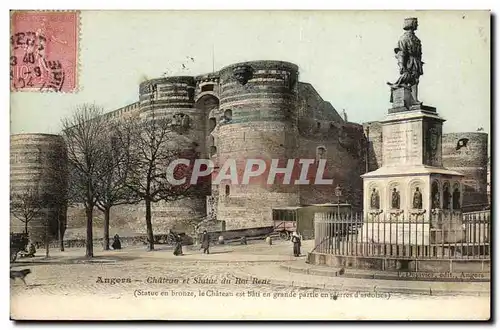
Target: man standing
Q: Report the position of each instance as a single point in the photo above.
(296, 244)
(205, 242)
(178, 245)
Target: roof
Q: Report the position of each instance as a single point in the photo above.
(287, 208)
(409, 171)
(308, 205)
(330, 204)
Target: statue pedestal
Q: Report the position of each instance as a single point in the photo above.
(402, 98)
(403, 233)
(412, 183)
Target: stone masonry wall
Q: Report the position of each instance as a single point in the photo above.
(467, 153)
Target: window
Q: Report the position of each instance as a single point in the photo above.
(213, 151)
(207, 88)
(211, 124)
(320, 153)
(228, 190)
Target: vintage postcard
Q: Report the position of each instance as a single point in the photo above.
(250, 165)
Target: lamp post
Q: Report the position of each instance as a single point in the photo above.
(338, 193)
(367, 156)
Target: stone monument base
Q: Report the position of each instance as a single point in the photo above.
(422, 234)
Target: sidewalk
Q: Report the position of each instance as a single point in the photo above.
(255, 252)
(303, 268)
(279, 275)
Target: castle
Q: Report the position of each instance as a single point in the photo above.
(246, 110)
(253, 110)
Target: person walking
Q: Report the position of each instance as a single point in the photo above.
(117, 245)
(205, 242)
(296, 244)
(178, 245)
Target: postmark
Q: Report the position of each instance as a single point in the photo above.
(44, 51)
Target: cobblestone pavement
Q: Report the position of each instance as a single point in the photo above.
(138, 278)
(69, 274)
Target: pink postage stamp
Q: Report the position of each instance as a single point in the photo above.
(44, 51)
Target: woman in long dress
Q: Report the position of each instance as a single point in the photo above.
(296, 244)
(205, 242)
(178, 245)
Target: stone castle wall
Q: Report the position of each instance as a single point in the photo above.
(375, 142)
(247, 110)
(174, 98)
(34, 163)
(468, 153)
(470, 160)
(258, 100)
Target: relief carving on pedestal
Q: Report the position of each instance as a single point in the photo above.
(446, 196)
(417, 199)
(395, 199)
(375, 200)
(433, 145)
(435, 196)
(456, 197)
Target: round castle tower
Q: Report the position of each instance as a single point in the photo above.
(467, 153)
(36, 171)
(256, 119)
(172, 98)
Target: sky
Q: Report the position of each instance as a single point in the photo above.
(346, 55)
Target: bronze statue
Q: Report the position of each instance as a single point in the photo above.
(395, 199)
(375, 200)
(417, 199)
(409, 56)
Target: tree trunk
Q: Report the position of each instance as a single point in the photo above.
(61, 241)
(89, 244)
(149, 226)
(60, 229)
(47, 238)
(26, 227)
(106, 229)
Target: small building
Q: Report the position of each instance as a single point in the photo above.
(300, 219)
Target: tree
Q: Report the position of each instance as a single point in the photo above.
(85, 136)
(60, 195)
(111, 187)
(26, 206)
(152, 145)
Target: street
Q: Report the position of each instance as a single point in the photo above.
(233, 281)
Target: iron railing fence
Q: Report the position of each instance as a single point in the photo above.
(438, 236)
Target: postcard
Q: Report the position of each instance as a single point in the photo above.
(250, 165)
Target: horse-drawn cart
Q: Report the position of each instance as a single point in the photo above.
(285, 221)
(18, 243)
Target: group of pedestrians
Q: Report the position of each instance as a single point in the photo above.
(205, 243)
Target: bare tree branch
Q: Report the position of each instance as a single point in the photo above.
(85, 136)
(25, 206)
(152, 146)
